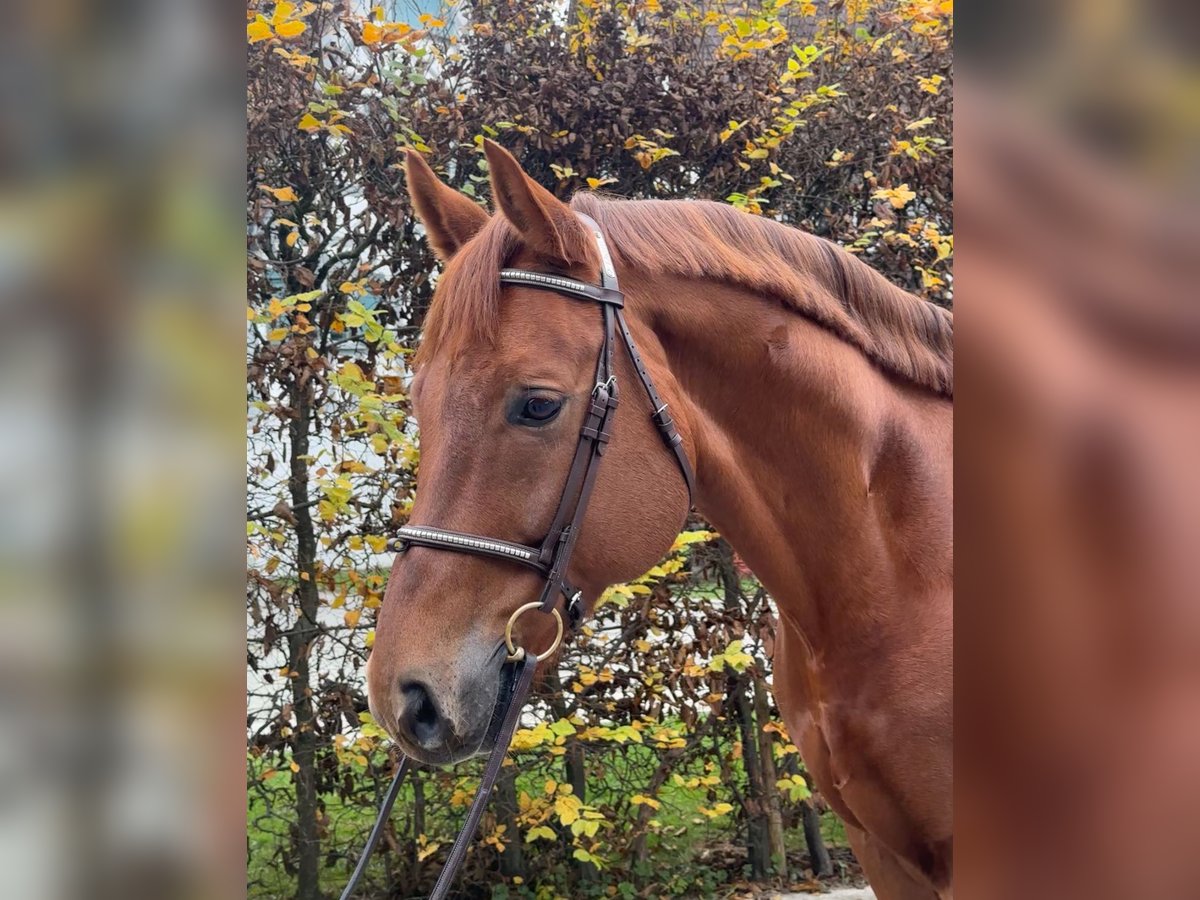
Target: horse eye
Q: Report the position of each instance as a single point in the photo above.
(538, 410)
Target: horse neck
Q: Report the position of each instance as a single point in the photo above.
(830, 478)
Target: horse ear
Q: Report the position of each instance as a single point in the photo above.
(450, 218)
(546, 224)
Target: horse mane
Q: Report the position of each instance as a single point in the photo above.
(902, 334)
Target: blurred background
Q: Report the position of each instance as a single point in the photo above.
(135, 758)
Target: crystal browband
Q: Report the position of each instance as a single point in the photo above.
(436, 537)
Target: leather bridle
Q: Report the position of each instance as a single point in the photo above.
(552, 556)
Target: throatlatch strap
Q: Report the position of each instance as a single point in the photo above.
(662, 419)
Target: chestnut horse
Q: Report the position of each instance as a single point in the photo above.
(814, 401)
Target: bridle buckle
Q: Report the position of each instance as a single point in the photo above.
(605, 386)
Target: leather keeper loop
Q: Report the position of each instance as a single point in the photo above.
(598, 435)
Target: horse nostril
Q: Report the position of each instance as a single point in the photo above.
(420, 719)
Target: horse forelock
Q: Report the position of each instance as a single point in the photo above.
(466, 305)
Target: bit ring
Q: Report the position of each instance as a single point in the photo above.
(516, 653)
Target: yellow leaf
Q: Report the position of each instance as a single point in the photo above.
(567, 807)
(283, 10)
(932, 84)
(377, 542)
(277, 334)
(898, 197)
(929, 279)
(692, 537)
(309, 123)
(292, 237)
(372, 33)
(352, 617)
(540, 831)
(597, 183)
(258, 30)
(290, 29)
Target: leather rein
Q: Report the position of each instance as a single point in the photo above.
(552, 556)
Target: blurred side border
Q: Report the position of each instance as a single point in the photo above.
(1077, 613)
(122, 174)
